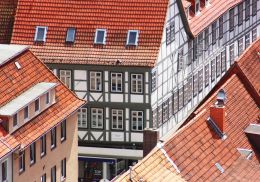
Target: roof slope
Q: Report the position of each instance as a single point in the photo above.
(14, 82)
(117, 16)
(196, 148)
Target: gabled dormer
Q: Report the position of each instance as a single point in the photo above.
(28, 105)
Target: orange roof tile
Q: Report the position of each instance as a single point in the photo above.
(13, 82)
(117, 16)
(196, 148)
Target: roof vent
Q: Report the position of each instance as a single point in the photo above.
(221, 98)
(17, 64)
(246, 153)
(220, 168)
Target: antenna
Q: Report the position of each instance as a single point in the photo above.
(221, 97)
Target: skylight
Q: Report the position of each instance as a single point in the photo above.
(40, 34)
(71, 35)
(100, 36)
(132, 37)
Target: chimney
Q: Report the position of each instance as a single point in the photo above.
(150, 138)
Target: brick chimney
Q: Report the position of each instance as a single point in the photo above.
(150, 138)
(217, 114)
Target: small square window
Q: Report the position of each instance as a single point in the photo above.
(40, 34)
(100, 37)
(132, 37)
(71, 35)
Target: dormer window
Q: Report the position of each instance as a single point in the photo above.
(37, 105)
(47, 101)
(70, 38)
(15, 120)
(100, 36)
(40, 34)
(132, 37)
(26, 113)
(197, 6)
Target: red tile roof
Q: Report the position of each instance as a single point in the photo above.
(207, 15)
(117, 16)
(196, 148)
(14, 82)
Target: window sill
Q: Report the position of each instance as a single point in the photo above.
(63, 139)
(53, 147)
(43, 154)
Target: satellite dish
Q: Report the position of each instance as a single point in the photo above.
(221, 97)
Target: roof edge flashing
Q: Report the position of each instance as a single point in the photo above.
(213, 125)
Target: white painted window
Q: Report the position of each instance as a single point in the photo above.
(195, 84)
(180, 60)
(218, 65)
(136, 83)
(189, 88)
(154, 113)
(200, 80)
(247, 9)
(70, 37)
(232, 53)
(175, 102)
(254, 7)
(132, 37)
(165, 111)
(32, 153)
(154, 80)
(100, 36)
(213, 70)
(116, 82)
(53, 174)
(37, 105)
(206, 75)
(95, 81)
(117, 119)
(4, 169)
(137, 120)
(214, 32)
(220, 30)
(197, 6)
(231, 19)
(190, 52)
(247, 40)
(43, 145)
(63, 169)
(63, 128)
(254, 34)
(40, 34)
(43, 178)
(240, 46)
(206, 38)
(21, 161)
(53, 138)
(240, 13)
(97, 118)
(180, 97)
(223, 61)
(26, 113)
(65, 77)
(82, 118)
(15, 120)
(160, 118)
(170, 33)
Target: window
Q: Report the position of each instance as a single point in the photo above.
(154, 81)
(82, 118)
(170, 33)
(53, 138)
(186, 93)
(65, 77)
(137, 120)
(206, 38)
(200, 80)
(4, 171)
(254, 7)
(254, 35)
(247, 9)
(136, 83)
(97, 118)
(100, 36)
(180, 60)
(220, 30)
(37, 105)
(218, 65)
(214, 32)
(53, 174)
(213, 70)
(21, 161)
(32, 153)
(63, 130)
(70, 37)
(15, 120)
(200, 44)
(116, 82)
(47, 98)
(175, 102)
(190, 52)
(240, 13)
(180, 92)
(63, 169)
(206, 75)
(240, 46)
(247, 40)
(195, 85)
(132, 37)
(26, 113)
(189, 88)
(43, 178)
(117, 119)
(197, 6)
(95, 81)
(170, 106)
(231, 19)
(160, 115)
(43, 145)
(154, 113)
(40, 34)
(165, 111)
(232, 53)
(223, 61)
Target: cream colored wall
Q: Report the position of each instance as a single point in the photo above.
(67, 149)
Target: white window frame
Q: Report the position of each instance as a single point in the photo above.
(83, 114)
(197, 10)
(39, 105)
(105, 35)
(135, 118)
(136, 38)
(63, 127)
(137, 83)
(26, 113)
(47, 98)
(5, 163)
(44, 36)
(63, 169)
(53, 133)
(95, 81)
(97, 113)
(22, 159)
(65, 77)
(33, 150)
(116, 115)
(73, 36)
(118, 79)
(43, 145)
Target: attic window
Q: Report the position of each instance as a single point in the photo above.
(40, 34)
(132, 37)
(197, 6)
(70, 38)
(100, 36)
